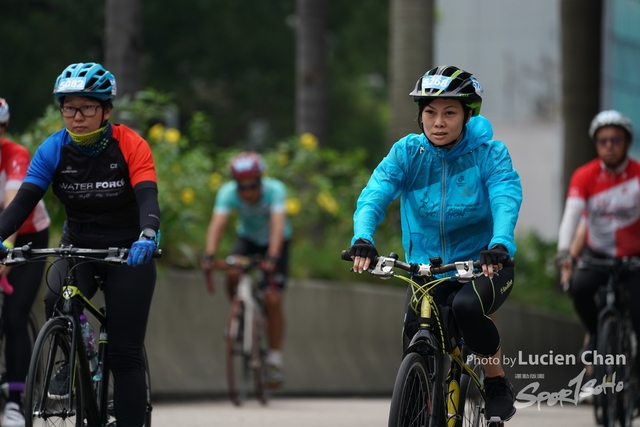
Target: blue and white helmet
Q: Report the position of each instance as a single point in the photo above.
(4, 111)
(85, 79)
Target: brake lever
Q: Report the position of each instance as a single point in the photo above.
(383, 268)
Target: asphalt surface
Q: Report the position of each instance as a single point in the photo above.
(335, 412)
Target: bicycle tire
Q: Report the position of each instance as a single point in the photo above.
(32, 330)
(237, 362)
(471, 402)
(414, 393)
(258, 356)
(627, 396)
(607, 345)
(52, 348)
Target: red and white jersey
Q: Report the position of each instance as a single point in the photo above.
(611, 202)
(14, 162)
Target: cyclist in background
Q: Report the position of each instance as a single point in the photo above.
(460, 198)
(104, 175)
(25, 282)
(607, 192)
(263, 229)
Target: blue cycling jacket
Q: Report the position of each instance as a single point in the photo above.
(453, 203)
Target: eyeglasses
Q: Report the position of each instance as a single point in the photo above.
(616, 140)
(85, 110)
(249, 187)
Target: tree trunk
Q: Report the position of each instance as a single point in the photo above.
(581, 34)
(123, 44)
(410, 56)
(311, 68)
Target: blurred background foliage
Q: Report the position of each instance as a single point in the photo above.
(323, 186)
(233, 62)
(226, 73)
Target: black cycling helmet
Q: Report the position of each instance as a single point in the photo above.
(447, 81)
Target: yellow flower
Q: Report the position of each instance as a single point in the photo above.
(283, 158)
(172, 135)
(176, 169)
(156, 131)
(308, 141)
(292, 206)
(326, 201)
(187, 195)
(215, 181)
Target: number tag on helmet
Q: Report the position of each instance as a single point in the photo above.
(71, 84)
(435, 82)
(476, 86)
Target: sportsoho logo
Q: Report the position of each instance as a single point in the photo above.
(577, 389)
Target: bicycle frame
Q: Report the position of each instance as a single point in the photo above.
(70, 304)
(425, 337)
(434, 343)
(244, 292)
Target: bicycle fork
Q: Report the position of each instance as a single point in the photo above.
(453, 392)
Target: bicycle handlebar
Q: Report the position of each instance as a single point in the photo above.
(23, 254)
(384, 265)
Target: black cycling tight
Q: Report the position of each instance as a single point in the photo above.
(472, 304)
(128, 293)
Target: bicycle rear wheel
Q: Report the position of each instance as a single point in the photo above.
(60, 405)
(413, 402)
(32, 331)
(607, 345)
(471, 403)
(238, 363)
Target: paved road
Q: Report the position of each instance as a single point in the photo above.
(334, 412)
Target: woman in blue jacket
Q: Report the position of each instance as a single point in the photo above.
(460, 198)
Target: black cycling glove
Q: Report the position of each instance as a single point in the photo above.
(498, 254)
(363, 248)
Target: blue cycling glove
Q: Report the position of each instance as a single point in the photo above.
(141, 251)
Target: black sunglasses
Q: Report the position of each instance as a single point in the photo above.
(249, 187)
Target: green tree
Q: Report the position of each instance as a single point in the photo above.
(123, 44)
(39, 39)
(581, 40)
(411, 53)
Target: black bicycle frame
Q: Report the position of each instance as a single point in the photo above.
(72, 304)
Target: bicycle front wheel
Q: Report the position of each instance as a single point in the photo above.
(471, 404)
(52, 395)
(627, 376)
(258, 355)
(413, 402)
(238, 361)
(608, 345)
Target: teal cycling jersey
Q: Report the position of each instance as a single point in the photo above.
(254, 219)
(453, 203)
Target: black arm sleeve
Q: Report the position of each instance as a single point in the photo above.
(19, 209)
(147, 197)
